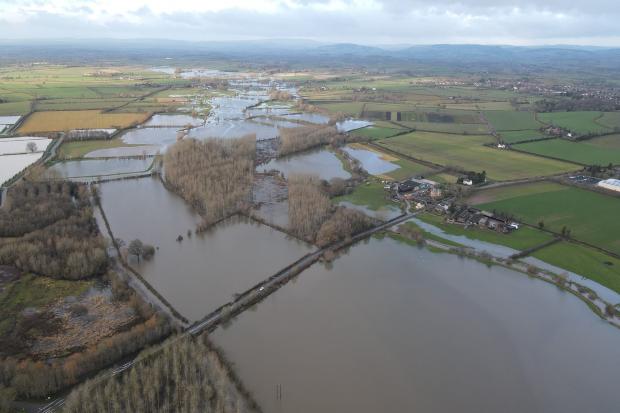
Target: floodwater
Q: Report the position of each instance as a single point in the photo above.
(173, 120)
(100, 167)
(203, 271)
(151, 136)
(395, 328)
(310, 117)
(352, 124)
(384, 213)
(11, 165)
(234, 129)
(123, 151)
(371, 161)
(320, 162)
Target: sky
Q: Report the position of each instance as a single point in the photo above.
(372, 22)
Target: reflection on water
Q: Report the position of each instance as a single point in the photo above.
(173, 120)
(371, 161)
(310, 117)
(203, 271)
(394, 328)
(320, 162)
(352, 124)
(151, 136)
(96, 167)
(123, 151)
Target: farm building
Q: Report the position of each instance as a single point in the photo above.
(611, 184)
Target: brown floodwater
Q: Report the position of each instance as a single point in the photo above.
(394, 328)
(203, 271)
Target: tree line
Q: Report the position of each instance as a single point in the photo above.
(313, 217)
(215, 175)
(185, 376)
(51, 231)
(307, 137)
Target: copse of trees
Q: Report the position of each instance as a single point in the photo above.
(307, 137)
(62, 242)
(308, 205)
(342, 225)
(185, 376)
(215, 175)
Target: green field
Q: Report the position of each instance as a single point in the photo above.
(460, 128)
(519, 240)
(484, 196)
(468, 153)
(590, 216)
(582, 123)
(590, 263)
(348, 108)
(584, 152)
(610, 119)
(506, 120)
(374, 132)
(31, 291)
(520, 135)
(77, 149)
(371, 195)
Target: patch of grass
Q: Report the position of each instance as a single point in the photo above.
(505, 120)
(520, 135)
(585, 261)
(579, 122)
(591, 217)
(52, 121)
(584, 152)
(77, 149)
(461, 128)
(520, 239)
(468, 153)
(349, 108)
(371, 195)
(374, 132)
(483, 195)
(610, 119)
(36, 292)
(14, 108)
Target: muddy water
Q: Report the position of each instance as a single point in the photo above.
(371, 161)
(394, 328)
(319, 162)
(100, 167)
(200, 273)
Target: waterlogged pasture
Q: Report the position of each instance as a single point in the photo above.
(92, 168)
(319, 162)
(10, 165)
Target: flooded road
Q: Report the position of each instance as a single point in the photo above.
(394, 328)
(202, 272)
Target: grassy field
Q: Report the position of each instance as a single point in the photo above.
(581, 123)
(374, 132)
(590, 216)
(610, 119)
(520, 135)
(468, 153)
(585, 152)
(53, 121)
(460, 128)
(77, 149)
(585, 261)
(504, 120)
(371, 195)
(519, 240)
(484, 196)
(348, 108)
(31, 291)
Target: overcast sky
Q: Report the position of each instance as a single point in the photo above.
(521, 22)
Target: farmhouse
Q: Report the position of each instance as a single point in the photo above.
(611, 184)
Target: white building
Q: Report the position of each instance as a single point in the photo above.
(611, 184)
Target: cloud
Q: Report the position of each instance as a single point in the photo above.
(361, 21)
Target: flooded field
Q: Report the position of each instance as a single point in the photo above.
(371, 161)
(173, 120)
(394, 328)
(161, 137)
(203, 271)
(124, 151)
(310, 117)
(10, 165)
(319, 162)
(99, 167)
(11, 146)
(234, 129)
(352, 124)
